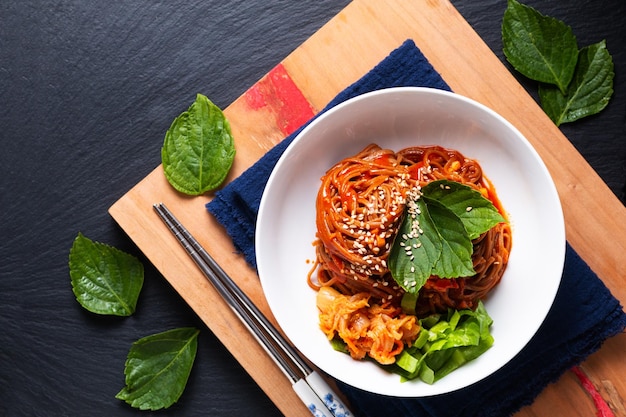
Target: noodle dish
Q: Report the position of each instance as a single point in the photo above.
(410, 242)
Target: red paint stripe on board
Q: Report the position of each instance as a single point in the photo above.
(277, 93)
(602, 408)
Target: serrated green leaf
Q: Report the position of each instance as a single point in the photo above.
(540, 47)
(158, 367)
(477, 213)
(455, 259)
(413, 254)
(436, 233)
(590, 89)
(198, 150)
(104, 279)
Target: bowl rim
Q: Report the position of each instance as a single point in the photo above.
(320, 120)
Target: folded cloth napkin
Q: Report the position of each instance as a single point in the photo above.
(583, 315)
(236, 206)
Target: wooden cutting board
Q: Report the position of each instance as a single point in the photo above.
(303, 83)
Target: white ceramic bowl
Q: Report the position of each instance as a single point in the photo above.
(398, 118)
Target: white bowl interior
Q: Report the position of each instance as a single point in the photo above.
(398, 118)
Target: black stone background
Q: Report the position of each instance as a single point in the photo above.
(87, 90)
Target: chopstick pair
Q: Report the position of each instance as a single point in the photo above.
(314, 392)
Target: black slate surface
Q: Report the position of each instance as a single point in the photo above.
(87, 90)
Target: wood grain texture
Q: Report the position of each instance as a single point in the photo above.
(337, 55)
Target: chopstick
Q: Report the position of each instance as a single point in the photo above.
(310, 387)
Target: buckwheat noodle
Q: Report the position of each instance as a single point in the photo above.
(359, 208)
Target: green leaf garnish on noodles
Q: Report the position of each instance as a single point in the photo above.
(198, 150)
(477, 213)
(436, 233)
(158, 367)
(104, 279)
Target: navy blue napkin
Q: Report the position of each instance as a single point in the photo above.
(236, 206)
(584, 313)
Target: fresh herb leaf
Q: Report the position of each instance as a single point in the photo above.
(413, 254)
(572, 83)
(540, 47)
(158, 367)
(455, 259)
(477, 213)
(590, 89)
(198, 150)
(436, 233)
(104, 279)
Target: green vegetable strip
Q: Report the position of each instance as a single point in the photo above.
(445, 343)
